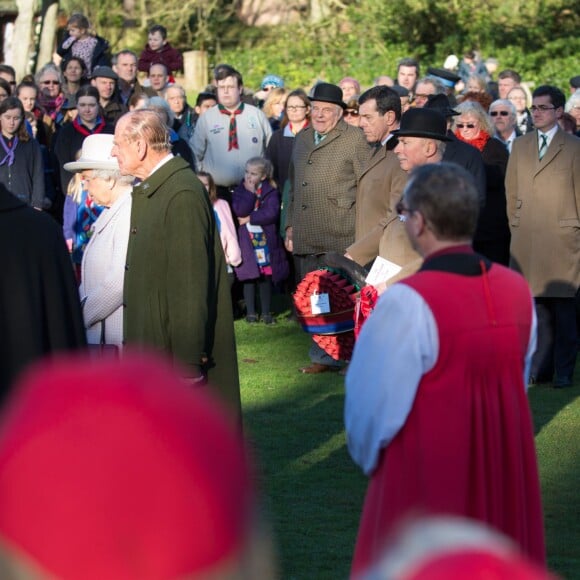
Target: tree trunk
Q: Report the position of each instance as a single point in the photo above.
(23, 34)
(48, 34)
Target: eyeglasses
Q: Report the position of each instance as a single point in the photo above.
(501, 113)
(402, 209)
(542, 108)
(351, 113)
(296, 107)
(467, 125)
(227, 87)
(50, 83)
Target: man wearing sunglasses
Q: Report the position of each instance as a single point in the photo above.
(504, 118)
(543, 202)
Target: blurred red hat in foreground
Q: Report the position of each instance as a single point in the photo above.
(119, 470)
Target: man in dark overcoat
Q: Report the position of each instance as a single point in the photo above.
(176, 293)
(40, 311)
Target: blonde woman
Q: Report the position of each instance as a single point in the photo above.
(274, 107)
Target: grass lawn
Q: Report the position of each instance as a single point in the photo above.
(313, 492)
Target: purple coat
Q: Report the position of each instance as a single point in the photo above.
(267, 216)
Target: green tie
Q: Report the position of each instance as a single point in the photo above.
(543, 146)
(318, 137)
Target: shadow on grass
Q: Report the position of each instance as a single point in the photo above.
(314, 493)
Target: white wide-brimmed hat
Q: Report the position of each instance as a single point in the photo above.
(95, 154)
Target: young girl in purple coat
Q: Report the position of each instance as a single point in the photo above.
(256, 204)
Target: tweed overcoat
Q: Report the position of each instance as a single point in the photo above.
(176, 292)
(324, 179)
(544, 214)
(103, 271)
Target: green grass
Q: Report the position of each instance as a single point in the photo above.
(312, 491)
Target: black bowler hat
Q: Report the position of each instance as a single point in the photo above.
(448, 78)
(328, 93)
(440, 103)
(427, 123)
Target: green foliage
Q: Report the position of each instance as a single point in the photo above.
(368, 37)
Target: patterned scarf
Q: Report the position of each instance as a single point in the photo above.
(86, 132)
(9, 150)
(233, 132)
(477, 142)
(294, 130)
(51, 106)
(87, 214)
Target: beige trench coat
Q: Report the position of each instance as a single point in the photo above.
(544, 214)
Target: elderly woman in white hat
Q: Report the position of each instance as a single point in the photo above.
(103, 265)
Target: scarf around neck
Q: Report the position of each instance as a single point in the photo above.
(86, 132)
(478, 142)
(51, 106)
(9, 150)
(233, 130)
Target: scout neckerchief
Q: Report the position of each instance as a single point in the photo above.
(258, 237)
(294, 130)
(233, 132)
(86, 132)
(8, 149)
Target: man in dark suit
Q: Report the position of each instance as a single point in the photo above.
(328, 161)
(543, 198)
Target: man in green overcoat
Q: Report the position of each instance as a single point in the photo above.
(176, 293)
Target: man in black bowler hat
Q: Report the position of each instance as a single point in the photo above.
(328, 160)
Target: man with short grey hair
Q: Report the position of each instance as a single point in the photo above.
(427, 86)
(125, 65)
(328, 160)
(504, 117)
(176, 292)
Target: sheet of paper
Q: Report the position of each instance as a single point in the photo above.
(381, 271)
(320, 304)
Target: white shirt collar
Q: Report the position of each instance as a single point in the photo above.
(165, 160)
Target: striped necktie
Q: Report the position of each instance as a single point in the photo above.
(543, 146)
(318, 138)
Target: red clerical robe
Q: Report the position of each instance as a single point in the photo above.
(467, 445)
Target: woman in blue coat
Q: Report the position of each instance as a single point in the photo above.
(256, 203)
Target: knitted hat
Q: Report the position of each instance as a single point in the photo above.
(272, 81)
(120, 470)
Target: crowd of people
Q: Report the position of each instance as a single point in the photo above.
(140, 214)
